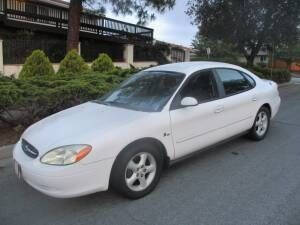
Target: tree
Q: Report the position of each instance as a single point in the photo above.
(219, 49)
(142, 8)
(288, 53)
(247, 24)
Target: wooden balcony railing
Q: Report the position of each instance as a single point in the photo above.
(57, 17)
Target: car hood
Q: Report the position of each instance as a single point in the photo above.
(74, 125)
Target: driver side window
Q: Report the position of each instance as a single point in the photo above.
(200, 86)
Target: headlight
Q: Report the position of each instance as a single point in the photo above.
(66, 155)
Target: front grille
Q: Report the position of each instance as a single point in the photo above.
(29, 150)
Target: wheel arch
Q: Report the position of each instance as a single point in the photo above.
(147, 140)
(268, 106)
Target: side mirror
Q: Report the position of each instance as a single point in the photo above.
(189, 101)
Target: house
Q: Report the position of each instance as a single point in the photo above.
(42, 24)
(261, 58)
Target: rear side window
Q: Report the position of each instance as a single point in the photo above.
(250, 79)
(233, 81)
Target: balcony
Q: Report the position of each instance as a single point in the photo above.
(51, 18)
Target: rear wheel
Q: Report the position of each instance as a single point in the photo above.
(137, 170)
(261, 124)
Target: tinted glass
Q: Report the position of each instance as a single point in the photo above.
(200, 86)
(250, 79)
(146, 91)
(233, 81)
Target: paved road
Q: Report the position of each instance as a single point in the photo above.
(239, 183)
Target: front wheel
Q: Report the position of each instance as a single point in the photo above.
(261, 124)
(137, 170)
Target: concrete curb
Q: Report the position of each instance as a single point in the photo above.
(6, 151)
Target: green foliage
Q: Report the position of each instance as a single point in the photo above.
(247, 24)
(277, 75)
(25, 101)
(102, 64)
(288, 53)
(73, 64)
(220, 51)
(36, 65)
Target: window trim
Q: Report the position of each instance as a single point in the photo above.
(251, 78)
(173, 105)
(223, 92)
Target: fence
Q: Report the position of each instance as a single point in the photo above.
(57, 17)
(90, 50)
(16, 51)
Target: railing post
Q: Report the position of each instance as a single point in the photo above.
(1, 57)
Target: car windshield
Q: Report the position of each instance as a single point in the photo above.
(146, 91)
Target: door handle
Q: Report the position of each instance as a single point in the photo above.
(254, 99)
(219, 109)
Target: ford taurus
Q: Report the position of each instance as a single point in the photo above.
(156, 117)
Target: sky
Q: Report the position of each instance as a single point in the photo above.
(173, 26)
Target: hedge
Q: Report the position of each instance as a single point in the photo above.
(25, 101)
(277, 75)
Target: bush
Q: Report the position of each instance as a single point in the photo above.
(36, 65)
(72, 64)
(277, 75)
(102, 64)
(25, 101)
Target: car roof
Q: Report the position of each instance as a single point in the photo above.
(190, 67)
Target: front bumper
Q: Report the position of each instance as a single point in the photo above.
(63, 181)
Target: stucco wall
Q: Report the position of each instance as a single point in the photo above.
(14, 69)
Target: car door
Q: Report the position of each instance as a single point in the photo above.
(196, 127)
(239, 100)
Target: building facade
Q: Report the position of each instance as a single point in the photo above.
(43, 24)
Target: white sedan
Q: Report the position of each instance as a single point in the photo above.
(156, 117)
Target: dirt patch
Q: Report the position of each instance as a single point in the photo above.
(8, 136)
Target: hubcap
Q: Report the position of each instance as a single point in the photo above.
(140, 171)
(261, 124)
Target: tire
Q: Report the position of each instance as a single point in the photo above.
(261, 126)
(130, 176)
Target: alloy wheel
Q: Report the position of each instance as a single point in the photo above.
(261, 123)
(140, 171)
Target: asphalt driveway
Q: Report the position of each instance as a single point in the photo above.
(239, 183)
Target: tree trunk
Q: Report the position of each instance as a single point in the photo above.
(254, 51)
(74, 24)
(250, 60)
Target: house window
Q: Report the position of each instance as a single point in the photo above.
(263, 58)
